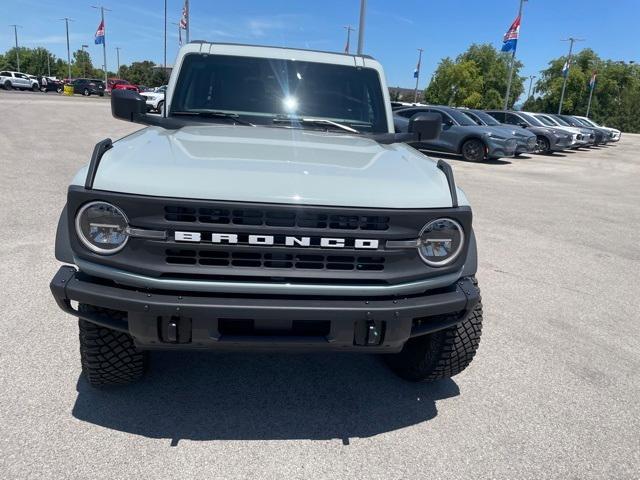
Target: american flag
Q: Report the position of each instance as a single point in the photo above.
(510, 39)
(184, 20)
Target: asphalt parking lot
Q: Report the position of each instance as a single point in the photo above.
(553, 392)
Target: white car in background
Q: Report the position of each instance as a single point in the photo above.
(155, 98)
(579, 137)
(615, 133)
(21, 81)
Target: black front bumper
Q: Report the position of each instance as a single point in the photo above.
(181, 320)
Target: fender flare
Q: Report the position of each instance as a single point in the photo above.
(471, 263)
(63, 250)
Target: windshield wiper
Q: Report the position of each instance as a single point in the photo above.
(315, 121)
(215, 114)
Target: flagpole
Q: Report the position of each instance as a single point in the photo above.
(104, 40)
(593, 87)
(571, 41)
(513, 61)
(363, 13)
(415, 90)
(186, 2)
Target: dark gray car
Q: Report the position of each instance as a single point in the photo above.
(460, 135)
(548, 139)
(527, 140)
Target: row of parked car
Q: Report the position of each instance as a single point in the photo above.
(10, 80)
(491, 134)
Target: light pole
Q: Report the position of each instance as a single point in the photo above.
(104, 39)
(66, 24)
(363, 13)
(513, 61)
(84, 60)
(349, 29)
(417, 75)
(531, 77)
(164, 63)
(15, 33)
(118, 60)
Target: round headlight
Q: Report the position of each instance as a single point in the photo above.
(441, 242)
(102, 227)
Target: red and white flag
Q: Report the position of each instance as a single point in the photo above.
(184, 20)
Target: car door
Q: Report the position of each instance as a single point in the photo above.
(450, 135)
(22, 81)
(499, 116)
(513, 119)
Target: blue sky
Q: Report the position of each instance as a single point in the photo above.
(394, 31)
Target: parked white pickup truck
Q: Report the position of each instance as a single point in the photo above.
(271, 206)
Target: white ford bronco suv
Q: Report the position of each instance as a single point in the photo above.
(270, 206)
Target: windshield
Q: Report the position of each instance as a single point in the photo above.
(546, 120)
(531, 119)
(581, 122)
(589, 122)
(485, 118)
(562, 121)
(461, 118)
(266, 89)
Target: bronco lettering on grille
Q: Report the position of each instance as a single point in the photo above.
(276, 240)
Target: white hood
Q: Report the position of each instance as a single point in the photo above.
(271, 165)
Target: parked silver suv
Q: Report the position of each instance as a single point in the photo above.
(17, 80)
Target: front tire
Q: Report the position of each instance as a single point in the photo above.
(86, 92)
(441, 354)
(35, 88)
(543, 145)
(160, 108)
(109, 357)
(473, 150)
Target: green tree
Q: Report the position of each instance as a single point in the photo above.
(477, 78)
(32, 60)
(82, 66)
(616, 98)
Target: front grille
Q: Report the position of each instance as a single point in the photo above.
(216, 258)
(280, 218)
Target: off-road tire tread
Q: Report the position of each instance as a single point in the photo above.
(109, 357)
(442, 354)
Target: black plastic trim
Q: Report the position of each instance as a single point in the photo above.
(448, 172)
(144, 309)
(98, 151)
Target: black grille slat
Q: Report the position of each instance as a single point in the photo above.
(216, 258)
(269, 218)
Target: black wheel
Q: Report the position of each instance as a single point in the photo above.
(59, 90)
(7, 85)
(101, 94)
(473, 150)
(543, 145)
(109, 357)
(35, 88)
(86, 92)
(441, 354)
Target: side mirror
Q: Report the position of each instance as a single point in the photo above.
(523, 125)
(425, 126)
(128, 105)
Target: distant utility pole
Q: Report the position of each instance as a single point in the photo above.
(417, 75)
(104, 40)
(363, 14)
(66, 24)
(513, 61)
(531, 77)
(48, 64)
(15, 33)
(571, 41)
(347, 45)
(84, 61)
(164, 64)
(118, 60)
